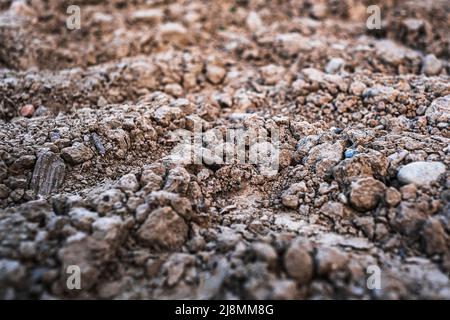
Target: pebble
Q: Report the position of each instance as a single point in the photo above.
(392, 197)
(298, 263)
(349, 153)
(215, 74)
(434, 237)
(129, 182)
(27, 110)
(357, 88)
(151, 16)
(439, 111)
(173, 32)
(431, 65)
(365, 193)
(254, 22)
(164, 229)
(77, 154)
(420, 172)
(334, 65)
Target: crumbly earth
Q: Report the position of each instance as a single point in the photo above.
(88, 177)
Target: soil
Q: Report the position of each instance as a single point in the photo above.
(90, 176)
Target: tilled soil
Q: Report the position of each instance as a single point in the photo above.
(90, 176)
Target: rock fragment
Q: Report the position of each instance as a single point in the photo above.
(431, 65)
(151, 16)
(27, 110)
(366, 193)
(392, 197)
(164, 229)
(434, 237)
(298, 263)
(334, 65)
(439, 110)
(215, 73)
(129, 182)
(420, 172)
(76, 154)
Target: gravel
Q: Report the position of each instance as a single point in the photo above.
(95, 169)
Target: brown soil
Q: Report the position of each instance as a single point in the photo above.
(89, 174)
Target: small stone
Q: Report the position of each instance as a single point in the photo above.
(272, 74)
(23, 163)
(357, 88)
(11, 272)
(150, 181)
(290, 197)
(324, 157)
(319, 11)
(17, 194)
(108, 229)
(98, 144)
(254, 22)
(434, 237)
(27, 110)
(108, 200)
(366, 193)
(82, 218)
(332, 210)
(420, 172)
(228, 239)
(334, 65)
(76, 154)
(152, 267)
(409, 191)
(109, 290)
(173, 32)
(174, 89)
(290, 200)
(164, 229)
(439, 110)
(408, 219)
(28, 249)
(350, 153)
(367, 224)
(4, 191)
(292, 43)
(329, 260)
(284, 290)
(392, 197)
(129, 182)
(265, 252)
(431, 65)
(150, 16)
(215, 74)
(298, 263)
(177, 180)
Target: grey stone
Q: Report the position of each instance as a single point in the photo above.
(420, 172)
